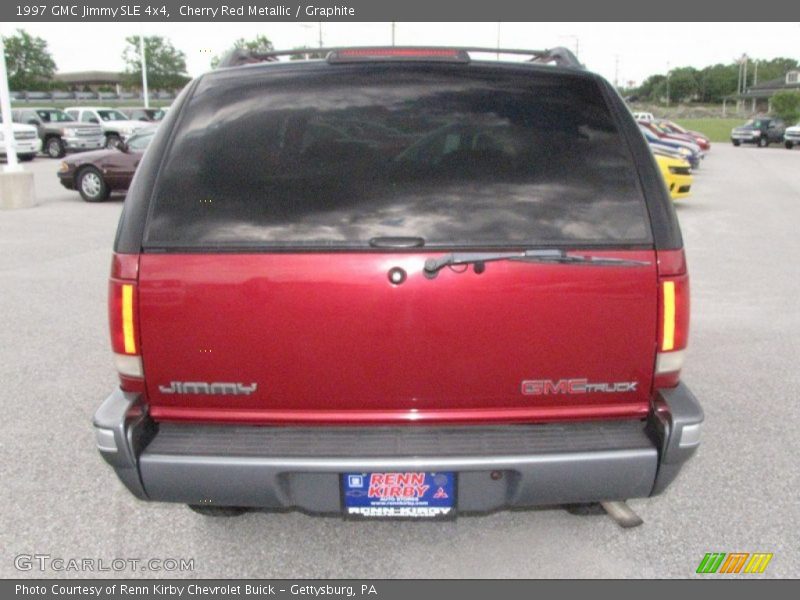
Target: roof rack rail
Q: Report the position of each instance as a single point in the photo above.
(560, 57)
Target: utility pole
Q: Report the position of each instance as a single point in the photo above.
(616, 70)
(393, 24)
(498, 40)
(320, 33)
(144, 72)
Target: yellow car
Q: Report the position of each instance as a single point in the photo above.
(677, 175)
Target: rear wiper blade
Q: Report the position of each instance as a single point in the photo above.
(434, 265)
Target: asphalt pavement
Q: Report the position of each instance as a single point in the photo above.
(738, 494)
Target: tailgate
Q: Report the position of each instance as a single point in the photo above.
(309, 337)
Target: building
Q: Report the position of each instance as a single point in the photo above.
(759, 96)
(91, 80)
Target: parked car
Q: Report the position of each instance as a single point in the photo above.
(761, 131)
(96, 174)
(59, 132)
(304, 318)
(791, 136)
(695, 136)
(683, 150)
(140, 113)
(26, 140)
(644, 116)
(665, 136)
(677, 175)
(116, 125)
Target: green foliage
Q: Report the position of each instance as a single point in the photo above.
(28, 61)
(166, 65)
(786, 105)
(712, 83)
(259, 44)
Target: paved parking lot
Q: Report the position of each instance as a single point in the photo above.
(738, 494)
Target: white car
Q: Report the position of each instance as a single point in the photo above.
(26, 139)
(117, 127)
(644, 116)
(791, 136)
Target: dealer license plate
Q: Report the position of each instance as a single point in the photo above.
(403, 495)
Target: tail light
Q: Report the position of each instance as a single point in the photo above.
(673, 317)
(123, 321)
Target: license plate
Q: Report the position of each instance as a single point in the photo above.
(403, 495)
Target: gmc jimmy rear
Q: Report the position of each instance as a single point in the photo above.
(398, 282)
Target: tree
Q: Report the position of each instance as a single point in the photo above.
(786, 105)
(648, 87)
(30, 64)
(257, 45)
(682, 85)
(716, 82)
(166, 65)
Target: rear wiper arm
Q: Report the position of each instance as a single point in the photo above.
(434, 265)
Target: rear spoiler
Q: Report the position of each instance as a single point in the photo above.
(560, 57)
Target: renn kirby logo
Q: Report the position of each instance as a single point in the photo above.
(734, 563)
(397, 485)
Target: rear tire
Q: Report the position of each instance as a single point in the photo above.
(54, 147)
(26, 157)
(737, 143)
(789, 145)
(91, 185)
(218, 511)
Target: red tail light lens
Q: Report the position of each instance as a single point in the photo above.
(673, 317)
(122, 316)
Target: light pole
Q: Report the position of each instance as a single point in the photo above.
(12, 165)
(144, 72)
(393, 24)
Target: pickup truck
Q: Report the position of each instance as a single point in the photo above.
(59, 133)
(461, 289)
(791, 136)
(116, 125)
(761, 131)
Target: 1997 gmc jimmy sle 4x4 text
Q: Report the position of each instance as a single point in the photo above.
(398, 282)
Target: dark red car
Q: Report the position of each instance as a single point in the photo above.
(96, 174)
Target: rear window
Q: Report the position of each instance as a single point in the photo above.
(335, 156)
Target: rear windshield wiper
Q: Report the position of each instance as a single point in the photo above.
(434, 265)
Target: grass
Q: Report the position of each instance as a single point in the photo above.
(717, 130)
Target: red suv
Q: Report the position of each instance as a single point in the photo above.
(398, 282)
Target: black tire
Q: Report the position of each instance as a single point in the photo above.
(54, 147)
(26, 157)
(218, 511)
(789, 145)
(763, 142)
(90, 184)
(113, 141)
(737, 143)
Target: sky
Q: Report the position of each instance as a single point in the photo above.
(623, 52)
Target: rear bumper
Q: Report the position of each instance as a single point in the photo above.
(298, 467)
